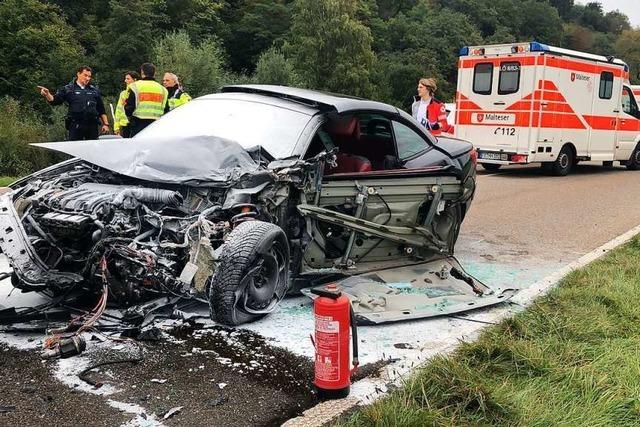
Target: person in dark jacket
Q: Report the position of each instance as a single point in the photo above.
(86, 108)
(177, 95)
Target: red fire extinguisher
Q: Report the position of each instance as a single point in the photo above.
(333, 316)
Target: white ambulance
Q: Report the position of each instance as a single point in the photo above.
(528, 102)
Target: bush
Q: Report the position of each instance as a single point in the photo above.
(18, 128)
(274, 69)
(200, 68)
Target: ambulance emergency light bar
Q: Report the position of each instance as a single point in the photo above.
(511, 49)
(504, 49)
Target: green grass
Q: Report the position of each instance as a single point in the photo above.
(571, 359)
(6, 180)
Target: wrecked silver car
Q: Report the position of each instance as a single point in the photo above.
(246, 195)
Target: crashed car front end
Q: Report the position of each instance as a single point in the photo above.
(69, 227)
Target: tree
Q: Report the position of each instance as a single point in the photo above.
(36, 48)
(564, 7)
(616, 22)
(201, 19)
(274, 68)
(436, 34)
(540, 22)
(330, 49)
(127, 38)
(199, 67)
(591, 16)
(577, 37)
(260, 24)
(627, 47)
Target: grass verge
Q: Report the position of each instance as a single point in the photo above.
(6, 180)
(572, 358)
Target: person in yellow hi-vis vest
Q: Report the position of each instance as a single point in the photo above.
(120, 117)
(147, 100)
(177, 95)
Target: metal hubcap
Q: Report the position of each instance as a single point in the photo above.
(261, 284)
(564, 160)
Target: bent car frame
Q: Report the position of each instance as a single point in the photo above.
(246, 195)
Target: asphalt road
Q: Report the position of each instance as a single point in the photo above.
(555, 218)
(522, 226)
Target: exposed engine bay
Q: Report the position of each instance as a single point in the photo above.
(154, 240)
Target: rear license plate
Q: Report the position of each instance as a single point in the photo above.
(493, 156)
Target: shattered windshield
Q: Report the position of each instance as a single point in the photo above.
(248, 123)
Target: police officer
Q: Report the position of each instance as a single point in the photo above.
(86, 109)
(428, 111)
(120, 120)
(146, 101)
(177, 95)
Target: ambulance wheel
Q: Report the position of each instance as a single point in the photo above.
(252, 275)
(563, 163)
(490, 167)
(634, 160)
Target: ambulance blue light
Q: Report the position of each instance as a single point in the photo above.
(539, 47)
(464, 51)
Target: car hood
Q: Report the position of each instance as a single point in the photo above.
(455, 147)
(189, 160)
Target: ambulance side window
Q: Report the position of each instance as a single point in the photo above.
(606, 85)
(483, 78)
(629, 105)
(509, 80)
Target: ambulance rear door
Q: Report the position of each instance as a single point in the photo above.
(504, 126)
(605, 111)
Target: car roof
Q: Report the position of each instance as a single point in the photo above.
(323, 101)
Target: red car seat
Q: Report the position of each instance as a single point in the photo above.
(345, 132)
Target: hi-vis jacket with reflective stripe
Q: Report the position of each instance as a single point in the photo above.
(120, 117)
(178, 98)
(151, 99)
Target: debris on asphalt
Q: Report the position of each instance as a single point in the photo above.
(171, 412)
(403, 345)
(217, 402)
(158, 381)
(7, 408)
(66, 347)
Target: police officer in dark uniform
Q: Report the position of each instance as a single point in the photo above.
(86, 108)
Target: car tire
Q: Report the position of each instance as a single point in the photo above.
(563, 163)
(252, 275)
(490, 167)
(634, 160)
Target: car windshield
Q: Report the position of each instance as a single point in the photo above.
(246, 122)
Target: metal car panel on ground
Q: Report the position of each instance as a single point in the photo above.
(419, 291)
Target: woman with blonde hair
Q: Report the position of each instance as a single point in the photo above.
(428, 111)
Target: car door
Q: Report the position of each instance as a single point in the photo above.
(628, 125)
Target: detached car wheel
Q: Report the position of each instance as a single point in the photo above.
(252, 275)
(634, 160)
(491, 167)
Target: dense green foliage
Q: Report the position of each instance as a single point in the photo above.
(571, 359)
(372, 48)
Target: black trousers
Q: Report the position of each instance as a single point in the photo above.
(79, 130)
(136, 125)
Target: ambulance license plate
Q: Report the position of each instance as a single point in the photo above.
(493, 156)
